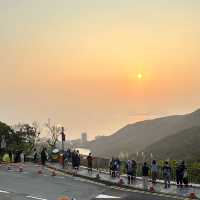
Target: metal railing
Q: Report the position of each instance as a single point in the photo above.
(103, 165)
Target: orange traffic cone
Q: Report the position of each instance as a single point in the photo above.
(98, 176)
(40, 171)
(121, 181)
(192, 195)
(151, 189)
(53, 173)
(20, 169)
(63, 198)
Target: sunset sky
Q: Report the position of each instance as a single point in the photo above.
(97, 65)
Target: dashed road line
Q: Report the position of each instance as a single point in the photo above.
(32, 197)
(103, 196)
(61, 177)
(5, 192)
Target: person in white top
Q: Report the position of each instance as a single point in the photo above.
(154, 171)
(22, 157)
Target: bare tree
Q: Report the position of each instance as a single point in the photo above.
(54, 133)
(36, 127)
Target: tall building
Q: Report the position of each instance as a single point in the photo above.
(84, 138)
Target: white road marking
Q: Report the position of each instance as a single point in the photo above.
(60, 177)
(39, 198)
(5, 192)
(102, 196)
(145, 192)
(25, 172)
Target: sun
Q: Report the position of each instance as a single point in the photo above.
(139, 76)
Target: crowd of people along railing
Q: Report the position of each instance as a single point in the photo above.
(102, 164)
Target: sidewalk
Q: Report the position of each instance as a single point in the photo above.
(159, 187)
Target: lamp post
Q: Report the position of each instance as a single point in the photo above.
(63, 140)
(63, 137)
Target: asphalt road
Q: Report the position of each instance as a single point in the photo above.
(29, 184)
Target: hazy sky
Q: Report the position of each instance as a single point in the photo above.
(77, 61)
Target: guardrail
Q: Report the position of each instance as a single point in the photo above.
(103, 165)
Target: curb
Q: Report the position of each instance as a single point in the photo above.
(108, 183)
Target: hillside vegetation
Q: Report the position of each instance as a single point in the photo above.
(183, 145)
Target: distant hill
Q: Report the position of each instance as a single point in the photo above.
(136, 137)
(183, 145)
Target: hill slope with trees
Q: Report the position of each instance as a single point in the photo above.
(136, 137)
(183, 145)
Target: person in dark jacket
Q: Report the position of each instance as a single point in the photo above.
(89, 160)
(17, 156)
(10, 156)
(73, 159)
(134, 169)
(111, 166)
(145, 174)
(180, 174)
(78, 159)
(35, 155)
(117, 167)
(129, 168)
(43, 156)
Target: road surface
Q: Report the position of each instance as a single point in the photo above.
(27, 185)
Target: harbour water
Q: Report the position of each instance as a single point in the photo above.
(83, 151)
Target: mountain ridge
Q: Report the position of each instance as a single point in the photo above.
(137, 136)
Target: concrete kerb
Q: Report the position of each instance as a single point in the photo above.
(113, 184)
(140, 178)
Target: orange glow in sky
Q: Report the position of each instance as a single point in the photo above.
(140, 76)
(95, 66)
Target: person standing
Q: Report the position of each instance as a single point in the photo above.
(134, 169)
(43, 156)
(115, 167)
(75, 162)
(22, 156)
(10, 156)
(111, 166)
(180, 174)
(154, 171)
(67, 156)
(89, 160)
(34, 155)
(65, 161)
(185, 177)
(17, 156)
(167, 174)
(78, 159)
(73, 159)
(145, 174)
(129, 167)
